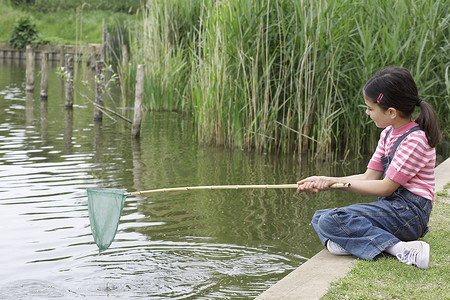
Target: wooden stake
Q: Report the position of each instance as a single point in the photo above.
(103, 50)
(137, 120)
(30, 69)
(86, 51)
(61, 56)
(99, 89)
(44, 77)
(69, 80)
(124, 57)
(92, 57)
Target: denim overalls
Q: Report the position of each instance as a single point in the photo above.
(367, 229)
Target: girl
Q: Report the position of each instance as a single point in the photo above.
(400, 173)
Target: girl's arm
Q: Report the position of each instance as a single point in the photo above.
(368, 175)
(369, 183)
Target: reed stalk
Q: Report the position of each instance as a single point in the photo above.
(286, 76)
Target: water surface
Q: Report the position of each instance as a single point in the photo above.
(180, 245)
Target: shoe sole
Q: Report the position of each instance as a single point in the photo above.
(425, 253)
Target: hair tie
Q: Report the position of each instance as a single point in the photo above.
(380, 96)
(418, 102)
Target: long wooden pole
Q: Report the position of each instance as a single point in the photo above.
(232, 187)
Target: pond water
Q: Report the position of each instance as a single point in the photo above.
(181, 245)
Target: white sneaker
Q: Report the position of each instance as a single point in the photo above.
(416, 253)
(336, 249)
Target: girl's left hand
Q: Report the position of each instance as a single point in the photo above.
(315, 184)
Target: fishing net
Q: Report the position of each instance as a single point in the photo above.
(105, 208)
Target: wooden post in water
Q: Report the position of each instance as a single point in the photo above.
(124, 57)
(44, 77)
(99, 89)
(29, 69)
(61, 56)
(86, 51)
(137, 120)
(103, 50)
(69, 80)
(92, 57)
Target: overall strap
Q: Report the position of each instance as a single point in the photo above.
(400, 139)
(386, 161)
(387, 134)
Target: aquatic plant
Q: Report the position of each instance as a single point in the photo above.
(287, 75)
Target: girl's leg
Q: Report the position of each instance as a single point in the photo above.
(357, 228)
(315, 221)
(367, 229)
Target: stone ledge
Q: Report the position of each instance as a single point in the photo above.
(312, 279)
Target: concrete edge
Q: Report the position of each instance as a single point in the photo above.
(442, 173)
(313, 278)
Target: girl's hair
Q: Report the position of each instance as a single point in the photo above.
(395, 87)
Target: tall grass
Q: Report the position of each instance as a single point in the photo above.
(287, 75)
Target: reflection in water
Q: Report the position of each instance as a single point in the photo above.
(68, 131)
(44, 122)
(98, 141)
(29, 109)
(196, 245)
(137, 164)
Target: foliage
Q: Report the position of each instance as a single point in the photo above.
(287, 75)
(129, 6)
(274, 76)
(25, 33)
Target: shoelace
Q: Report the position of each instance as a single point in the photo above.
(409, 256)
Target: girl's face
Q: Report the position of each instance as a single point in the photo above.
(381, 117)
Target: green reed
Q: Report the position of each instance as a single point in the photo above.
(286, 76)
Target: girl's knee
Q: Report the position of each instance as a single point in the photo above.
(318, 214)
(326, 222)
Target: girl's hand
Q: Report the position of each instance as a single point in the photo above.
(315, 184)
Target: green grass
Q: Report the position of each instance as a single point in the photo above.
(387, 278)
(64, 27)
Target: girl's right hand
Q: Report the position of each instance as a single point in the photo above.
(315, 184)
(307, 185)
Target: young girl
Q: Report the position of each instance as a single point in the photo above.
(400, 173)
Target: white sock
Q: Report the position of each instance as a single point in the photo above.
(396, 249)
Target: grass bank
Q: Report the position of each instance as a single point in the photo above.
(66, 27)
(389, 279)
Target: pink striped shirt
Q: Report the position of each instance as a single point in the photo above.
(413, 163)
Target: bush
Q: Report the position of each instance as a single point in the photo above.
(25, 33)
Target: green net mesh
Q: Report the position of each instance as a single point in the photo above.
(105, 208)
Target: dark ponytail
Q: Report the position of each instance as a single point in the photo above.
(395, 87)
(428, 122)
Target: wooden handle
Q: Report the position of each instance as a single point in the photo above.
(232, 187)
